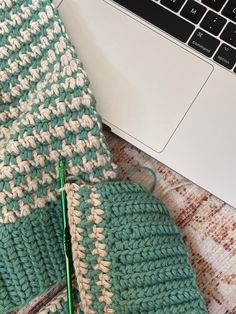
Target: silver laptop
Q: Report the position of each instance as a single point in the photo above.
(164, 75)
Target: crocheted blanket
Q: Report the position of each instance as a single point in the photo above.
(47, 112)
(128, 255)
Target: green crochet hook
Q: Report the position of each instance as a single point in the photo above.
(66, 237)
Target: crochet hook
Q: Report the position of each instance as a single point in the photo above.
(66, 237)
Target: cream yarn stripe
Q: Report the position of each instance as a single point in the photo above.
(55, 304)
(80, 266)
(100, 251)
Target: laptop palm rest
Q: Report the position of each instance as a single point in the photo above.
(136, 72)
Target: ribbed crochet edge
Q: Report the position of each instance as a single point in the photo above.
(32, 259)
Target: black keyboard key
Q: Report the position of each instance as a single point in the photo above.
(213, 23)
(226, 56)
(230, 10)
(160, 17)
(193, 11)
(229, 34)
(174, 5)
(204, 43)
(214, 4)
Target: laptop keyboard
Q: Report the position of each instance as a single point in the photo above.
(208, 26)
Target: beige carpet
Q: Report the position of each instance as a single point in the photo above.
(208, 226)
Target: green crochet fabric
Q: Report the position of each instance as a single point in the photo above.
(128, 254)
(47, 112)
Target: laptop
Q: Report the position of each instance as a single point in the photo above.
(164, 75)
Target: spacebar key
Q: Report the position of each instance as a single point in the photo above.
(160, 17)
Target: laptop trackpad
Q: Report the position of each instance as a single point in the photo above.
(144, 83)
(155, 85)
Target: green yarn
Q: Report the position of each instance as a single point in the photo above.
(32, 258)
(143, 168)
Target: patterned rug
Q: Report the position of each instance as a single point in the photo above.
(208, 226)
